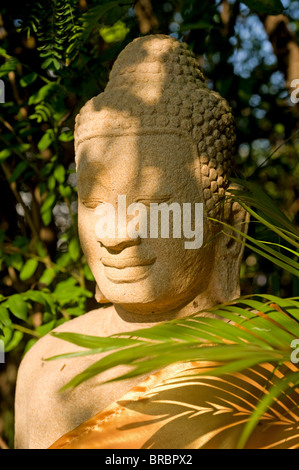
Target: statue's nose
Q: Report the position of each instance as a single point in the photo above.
(118, 244)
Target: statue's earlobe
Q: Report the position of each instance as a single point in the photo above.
(229, 251)
(239, 219)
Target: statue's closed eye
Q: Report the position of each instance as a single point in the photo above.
(91, 203)
(151, 200)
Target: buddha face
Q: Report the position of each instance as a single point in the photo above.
(142, 274)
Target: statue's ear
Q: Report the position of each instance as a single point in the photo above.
(235, 216)
(229, 251)
(99, 296)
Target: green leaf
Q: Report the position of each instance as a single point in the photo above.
(42, 113)
(21, 242)
(28, 269)
(279, 259)
(36, 296)
(65, 191)
(254, 196)
(75, 311)
(19, 169)
(66, 136)
(202, 24)
(7, 335)
(46, 63)
(3, 53)
(48, 202)
(4, 317)
(270, 7)
(114, 33)
(42, 94)
(14, 341)
(2, 235)
(59, 173)
(266, 401)
(4, 154)
(95, 342)
(254, 338)
(47, 217)
(51, 182)
(46, 140)
(74, 249)
(41, 250)
(47, 208)
(8, 66)
(159, 358)
(18, 306)
(16, 261)
(47, 276)
(91, 18)
(47, 169)
(29, 344)
(64, 260)
(42, 188)
(67, 292)
(44, 329)
(87, 273)
(28, 79)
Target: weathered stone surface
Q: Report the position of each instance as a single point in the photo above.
(156, 134)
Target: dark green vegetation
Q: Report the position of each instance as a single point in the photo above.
(55, 55)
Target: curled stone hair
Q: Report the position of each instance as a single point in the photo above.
(155, 86)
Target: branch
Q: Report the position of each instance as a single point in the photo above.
(284, 44)
(146, 18)
(3, 444)
(15, 192)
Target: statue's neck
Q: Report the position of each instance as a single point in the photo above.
(127, 316)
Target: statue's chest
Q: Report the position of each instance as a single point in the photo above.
(53, 413)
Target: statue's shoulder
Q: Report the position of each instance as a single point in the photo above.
(91, 323)
(39, 381)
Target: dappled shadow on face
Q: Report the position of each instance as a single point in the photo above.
(135, 140)
(154, 95)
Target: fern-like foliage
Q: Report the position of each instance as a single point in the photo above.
(52, 21)
(62, 29)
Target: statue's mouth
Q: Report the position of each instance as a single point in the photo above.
(126, 263)
(126, 270)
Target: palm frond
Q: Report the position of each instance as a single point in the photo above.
(249, 331)
(257, 332)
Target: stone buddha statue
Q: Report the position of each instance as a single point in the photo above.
(156, 135)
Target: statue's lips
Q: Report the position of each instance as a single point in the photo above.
(126, 263)
(127, 270)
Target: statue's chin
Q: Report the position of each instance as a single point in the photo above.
(131, 297)
(145, 298)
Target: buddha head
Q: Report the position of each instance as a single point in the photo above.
(158, 135)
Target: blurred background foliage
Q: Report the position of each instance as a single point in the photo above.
(54, 56)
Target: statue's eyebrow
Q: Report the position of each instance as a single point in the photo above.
(84, 176)
(154, 197)
(89, 184)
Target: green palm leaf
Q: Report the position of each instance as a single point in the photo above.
(248, 331)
